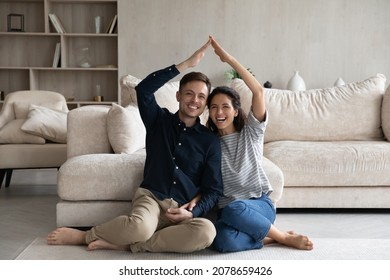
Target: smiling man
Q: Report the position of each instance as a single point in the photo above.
(183, 160)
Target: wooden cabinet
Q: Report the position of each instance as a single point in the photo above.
(88, 60)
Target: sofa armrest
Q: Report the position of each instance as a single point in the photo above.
(87, 131)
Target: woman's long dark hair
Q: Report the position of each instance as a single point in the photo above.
(239, 120)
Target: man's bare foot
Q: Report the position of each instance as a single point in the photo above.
(268, 240)
(297, 241)
(104, 245)
(66, 236)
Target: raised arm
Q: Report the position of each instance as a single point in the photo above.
(258, 102)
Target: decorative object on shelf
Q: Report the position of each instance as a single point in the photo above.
(98, 95)
(339, 82)
(267, 84)
(15, 23)
(232, 74)
(83, 57)
(98, 24)
(296, 83)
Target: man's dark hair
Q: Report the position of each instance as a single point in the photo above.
(195, 76)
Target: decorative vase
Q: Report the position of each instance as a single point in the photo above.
(339, 82)
(267, 84)
(296, 82)
(83, 57)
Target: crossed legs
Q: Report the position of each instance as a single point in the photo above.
(145, 229)
(248, 224)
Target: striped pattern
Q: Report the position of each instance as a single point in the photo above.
(242, 171)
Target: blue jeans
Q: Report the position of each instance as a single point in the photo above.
(243, 224)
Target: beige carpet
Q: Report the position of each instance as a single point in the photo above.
(325, 249)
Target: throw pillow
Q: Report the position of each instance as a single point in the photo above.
(126, 131)
(386, 114)
(47, 123)
(11, 133)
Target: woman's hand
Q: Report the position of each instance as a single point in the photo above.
(258, 103)
(223, 55)
(190, 205)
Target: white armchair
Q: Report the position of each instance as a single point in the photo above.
(32, 135)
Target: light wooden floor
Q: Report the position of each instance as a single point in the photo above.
(27, 211)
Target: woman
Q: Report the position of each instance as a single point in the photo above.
(246, 213)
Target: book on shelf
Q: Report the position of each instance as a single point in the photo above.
(112, 25)
(57, 55)
(56, 22)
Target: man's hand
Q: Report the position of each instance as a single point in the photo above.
(177, 215)
(194, 59)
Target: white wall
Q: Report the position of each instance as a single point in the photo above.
(323, 39)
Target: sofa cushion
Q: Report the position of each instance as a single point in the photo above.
(12, 133)
(386, 114)
(47, 123)
(125, 129)
(337, 163)
(348, 112)
(165, 96)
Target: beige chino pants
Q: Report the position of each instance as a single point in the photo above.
(146, 228)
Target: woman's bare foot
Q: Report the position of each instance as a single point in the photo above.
(66, 236)
(104, 245)
(297, 241)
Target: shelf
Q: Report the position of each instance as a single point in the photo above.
(26, 58)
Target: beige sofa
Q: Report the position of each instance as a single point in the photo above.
(324, 148)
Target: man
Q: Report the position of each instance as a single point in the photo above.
(182, 160)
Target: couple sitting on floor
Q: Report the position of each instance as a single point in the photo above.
(185, 166)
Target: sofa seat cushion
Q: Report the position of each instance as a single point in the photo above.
(343, 163)
(101, 176)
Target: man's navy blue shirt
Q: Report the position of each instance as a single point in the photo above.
(180, 161)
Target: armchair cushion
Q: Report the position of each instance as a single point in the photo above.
(125, 129)
(47, 123)
(11, 133)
